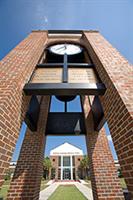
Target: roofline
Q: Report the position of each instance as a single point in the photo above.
(69, 31)
(64, 143)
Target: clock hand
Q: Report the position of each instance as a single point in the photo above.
(60, 48)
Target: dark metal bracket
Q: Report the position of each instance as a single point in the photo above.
(64, 89)
(98, 114)
(32, 114)
(65, 123)
(65, 69)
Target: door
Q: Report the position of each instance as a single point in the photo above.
(66, 174)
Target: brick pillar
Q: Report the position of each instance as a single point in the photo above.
(117, 74)
(26, 181)
(105, 182)
(56, 167)
(15, 70)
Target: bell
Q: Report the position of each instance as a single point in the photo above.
(65, 98)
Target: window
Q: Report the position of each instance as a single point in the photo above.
(59, 161)
(66, 161)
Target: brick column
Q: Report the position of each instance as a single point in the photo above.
(105, 182)
(26, 181)
(56, 168)
(117, 74)
(15, 70)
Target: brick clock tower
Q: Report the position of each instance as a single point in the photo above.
(66, 64)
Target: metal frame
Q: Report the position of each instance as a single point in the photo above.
(46, 65)
(65, 123)
(65, 31)
(65, 69)
(98, 113)
(64, 89)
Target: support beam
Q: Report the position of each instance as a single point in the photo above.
(64, 89)
(45, 65)
(65, 69)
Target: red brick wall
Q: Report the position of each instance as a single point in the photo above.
(117, 74)
(54, 161)
(15, 70)
(104, 179)
(26, 181)
(77, 160)
(56, 166)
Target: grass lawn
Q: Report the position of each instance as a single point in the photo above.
(5, 187)
(123, 184)
(69, 192)
(4, 190)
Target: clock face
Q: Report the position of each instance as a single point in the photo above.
(69, 49)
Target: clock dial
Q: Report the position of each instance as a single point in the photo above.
(69, 49)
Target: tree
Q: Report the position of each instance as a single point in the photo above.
(8, 175)
(47, 165)
(84, 165)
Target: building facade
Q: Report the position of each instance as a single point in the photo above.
(65, 160)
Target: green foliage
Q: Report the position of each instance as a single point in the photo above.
(8, 175)
(83, 167)
(84, 163)
(119, 173)
(47, 165)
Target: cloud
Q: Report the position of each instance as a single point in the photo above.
(109, 138)
(45, 19)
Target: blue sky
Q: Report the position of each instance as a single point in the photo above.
(112, 18)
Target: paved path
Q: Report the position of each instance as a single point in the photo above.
(86, 191)
(46, 193)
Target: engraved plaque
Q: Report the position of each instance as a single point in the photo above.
(84, 75)
(47, 75)
(55, 75)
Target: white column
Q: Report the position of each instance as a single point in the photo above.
(71, 163)
(61, 167)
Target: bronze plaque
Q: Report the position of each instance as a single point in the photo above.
(84, 75)
(47, 75)
(54, 75)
